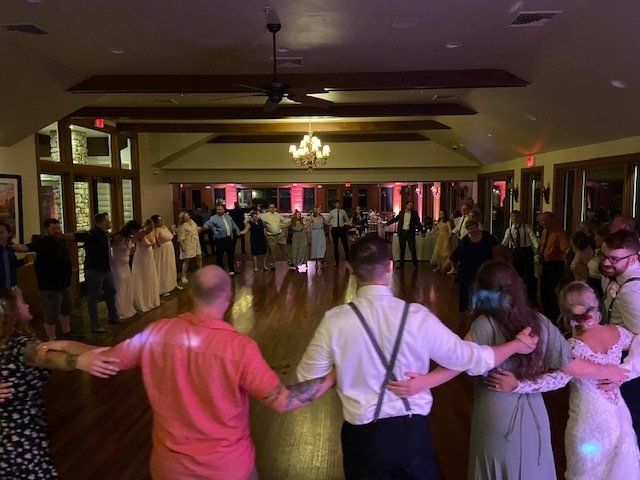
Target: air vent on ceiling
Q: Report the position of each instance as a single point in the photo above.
(288, 61)
(448, 98)
(29, 28)
(533, 19)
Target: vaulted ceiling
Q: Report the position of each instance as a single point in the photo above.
(562, 72)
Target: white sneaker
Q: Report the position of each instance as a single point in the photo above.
(184, 280)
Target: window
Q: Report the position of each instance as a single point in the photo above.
(635, 209)
(196, 198)
(264, 197)
(49, 143)
(332, 196)
(386, 199)
(602, 194)
(244, 198)
(127, 199)
(51, 196)
(90, 147)
(124, 148)
(219, 196)
(568, 181)
(284, 199)
(347, 199)
(362, 197)
(308, 199)
(83, 217)
(103, 197)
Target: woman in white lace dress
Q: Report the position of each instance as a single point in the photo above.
(189, 243)
(144, 277)
(121, 246)
(600, 441)
(165, 257)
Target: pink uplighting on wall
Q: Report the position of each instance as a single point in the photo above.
(501, 186)
(397, 198)
(231, 195)
(296, 197)
(435, 190)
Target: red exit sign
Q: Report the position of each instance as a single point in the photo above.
(98, 122)
(531, 161)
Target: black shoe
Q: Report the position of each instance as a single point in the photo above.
(99, 329)
(117, 321)
(71, 336)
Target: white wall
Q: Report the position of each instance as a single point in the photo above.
(20, 159)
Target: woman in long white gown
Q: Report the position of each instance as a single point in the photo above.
(164, 255)
(144, 277)
(121, 246)
(600, 442)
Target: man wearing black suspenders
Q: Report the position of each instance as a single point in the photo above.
(620, 270)
(521, 239)
(373, 340)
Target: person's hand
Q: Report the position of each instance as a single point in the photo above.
(501, 381)
(416, 383)
(613, 374)
(53, 345)
(97, 364)
(5, 391)
(526, 341)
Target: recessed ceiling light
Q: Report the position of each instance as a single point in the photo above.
(453, 44)
(117, 51)
(490, 135)
(531, 117)
(282, 50)
(619, 83)
(405, 22)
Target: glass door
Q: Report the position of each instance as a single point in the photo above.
(103, 193)
(82, 197)
(51, 197)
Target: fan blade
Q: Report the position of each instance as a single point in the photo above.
(237, 96)
(311, 101)
(269, 106)
(249, 87)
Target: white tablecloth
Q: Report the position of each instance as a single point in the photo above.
(424, 248)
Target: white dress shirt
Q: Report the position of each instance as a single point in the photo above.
(406, 220)
(626, 308)
(527, 236)
(272, 222)
(338, 215)
(341, 342)
(460, 228)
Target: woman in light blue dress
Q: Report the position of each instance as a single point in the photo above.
(318, 238)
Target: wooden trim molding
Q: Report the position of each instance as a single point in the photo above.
(327, 139)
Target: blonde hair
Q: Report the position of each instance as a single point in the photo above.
(578, 294)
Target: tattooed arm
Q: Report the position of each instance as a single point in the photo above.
(37, 354)
(284, 398)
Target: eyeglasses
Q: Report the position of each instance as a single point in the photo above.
(614, 260)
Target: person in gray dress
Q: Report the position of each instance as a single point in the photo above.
(299, 243)
(318, 238)
(510, 434)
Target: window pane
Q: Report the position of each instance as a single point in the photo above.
(219, 196)
(127, 198)
(284, 199)
(48, 143)
(83, 218)
(90, 147)
(196, 198)
(386, 199)
(51, 195)
(603, 194)
(567, 200)
(244, 197)
(362, 197)
(124, 145)
(347, 200)
(309, 199)
(103, 192)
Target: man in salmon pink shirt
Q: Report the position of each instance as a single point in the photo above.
(198, 372)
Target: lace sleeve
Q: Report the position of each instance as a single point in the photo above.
(626, 337)
(544, 383)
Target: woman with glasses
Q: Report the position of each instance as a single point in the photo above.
(599, 439)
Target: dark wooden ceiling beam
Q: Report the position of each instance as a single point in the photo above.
(430, 79)
(326, 139)
(275, 128)
(283, 111)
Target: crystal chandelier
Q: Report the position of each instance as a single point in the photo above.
(310, 153)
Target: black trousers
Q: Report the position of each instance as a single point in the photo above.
(390, 448)
(225, 245)
(550, 276)
(631, 393)
(523, 263)
(206, 236)
(97, 283)
(404, 237)
(340, 233)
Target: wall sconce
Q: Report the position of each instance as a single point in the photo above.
(546, 193)
(515, 191)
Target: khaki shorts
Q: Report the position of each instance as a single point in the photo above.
(273, 240)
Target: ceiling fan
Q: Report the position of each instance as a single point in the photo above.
(277, 90)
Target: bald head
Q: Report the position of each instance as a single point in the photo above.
(211, 287)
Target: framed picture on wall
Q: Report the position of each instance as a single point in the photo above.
(11, 204)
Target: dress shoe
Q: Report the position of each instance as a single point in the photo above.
(99, 329)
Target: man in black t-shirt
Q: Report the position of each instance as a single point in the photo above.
(97, 269)
(53, 272)
(237, 215)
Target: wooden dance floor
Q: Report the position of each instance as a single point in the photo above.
(100, 429)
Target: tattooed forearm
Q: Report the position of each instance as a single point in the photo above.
(273, 396)
(304, 392)
(71, 361)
